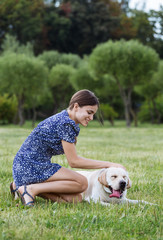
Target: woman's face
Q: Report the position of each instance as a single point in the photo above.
(84, 114)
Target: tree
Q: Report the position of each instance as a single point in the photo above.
(8, 108)
(129, 63)
(90, 23)
(145, 29)
(151, 91)
(23, 76)
(50, 58)
(81, 78)
(59, 83)
(108, 113)
(12, 45)
(22, 19)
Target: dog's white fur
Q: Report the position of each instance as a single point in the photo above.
(102, 183)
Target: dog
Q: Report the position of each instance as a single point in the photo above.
(108, 185)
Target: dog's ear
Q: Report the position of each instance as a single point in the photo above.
(129, 183)
(102, 178)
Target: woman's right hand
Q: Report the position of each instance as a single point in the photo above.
(117, 165)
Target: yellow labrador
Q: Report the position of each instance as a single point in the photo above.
(108, 185)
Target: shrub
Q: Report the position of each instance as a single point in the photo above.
(108, 113)
(152, 112)
(144, 113)
(71, 59)
(8, 109)
(50, 58)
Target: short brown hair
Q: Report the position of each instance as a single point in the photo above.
(83, 98)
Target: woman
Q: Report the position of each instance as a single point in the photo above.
(33, 172)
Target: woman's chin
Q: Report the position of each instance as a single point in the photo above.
(85, 124)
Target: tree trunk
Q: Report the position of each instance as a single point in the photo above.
(130, 107)
(158, 115)
(134, 117)
(127, 112)
(34, 116)
(126, 104)
(21, 110)
(151, 112)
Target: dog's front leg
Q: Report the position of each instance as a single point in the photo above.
(130, 201)
(105, 204)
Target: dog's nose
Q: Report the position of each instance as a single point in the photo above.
(122, 185)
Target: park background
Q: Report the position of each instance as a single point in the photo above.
(48, 51)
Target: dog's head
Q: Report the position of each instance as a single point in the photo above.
(115, 181)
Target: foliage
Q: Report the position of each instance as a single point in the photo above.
(82, 79)
(11, 44)
(50, 58)
(23, 76)
(55, 31)
(145, 112)
(129, 63)
(144, 27)
(21, 18)
(108, 113)
(59, 82)
(91, 23)
(71, 59)
(8, 108)
(78, 26)
(149, 112)
(152, 91)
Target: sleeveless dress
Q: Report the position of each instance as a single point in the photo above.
(32, 163)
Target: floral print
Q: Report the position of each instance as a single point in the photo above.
(32, 163)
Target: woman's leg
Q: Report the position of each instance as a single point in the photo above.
(75, 198)
(64, 183)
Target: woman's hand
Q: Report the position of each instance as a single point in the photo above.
(117, 165)
(76, 161)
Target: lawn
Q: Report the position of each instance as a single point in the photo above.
(140, 150)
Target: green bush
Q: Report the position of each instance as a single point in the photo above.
(50, 58)
(8, 109)
(108, 113)
(148, 113)
(144, 113)
(71, 59)
(60, 85)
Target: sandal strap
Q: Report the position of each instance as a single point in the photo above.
(30, 203)
(12, 189)
(25, 192)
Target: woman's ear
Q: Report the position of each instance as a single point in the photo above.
(76, 106)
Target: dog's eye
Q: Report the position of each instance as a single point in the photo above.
(114, 176)
(124, 177)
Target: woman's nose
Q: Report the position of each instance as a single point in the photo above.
(91, 117)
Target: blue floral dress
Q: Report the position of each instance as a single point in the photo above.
(32, 163)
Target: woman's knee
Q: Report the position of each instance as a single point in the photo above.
(83, 183)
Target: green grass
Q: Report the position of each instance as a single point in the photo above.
(139, 149)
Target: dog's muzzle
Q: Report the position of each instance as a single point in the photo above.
(122, 185)
(117, 193)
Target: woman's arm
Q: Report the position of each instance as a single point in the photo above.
(76, 161)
